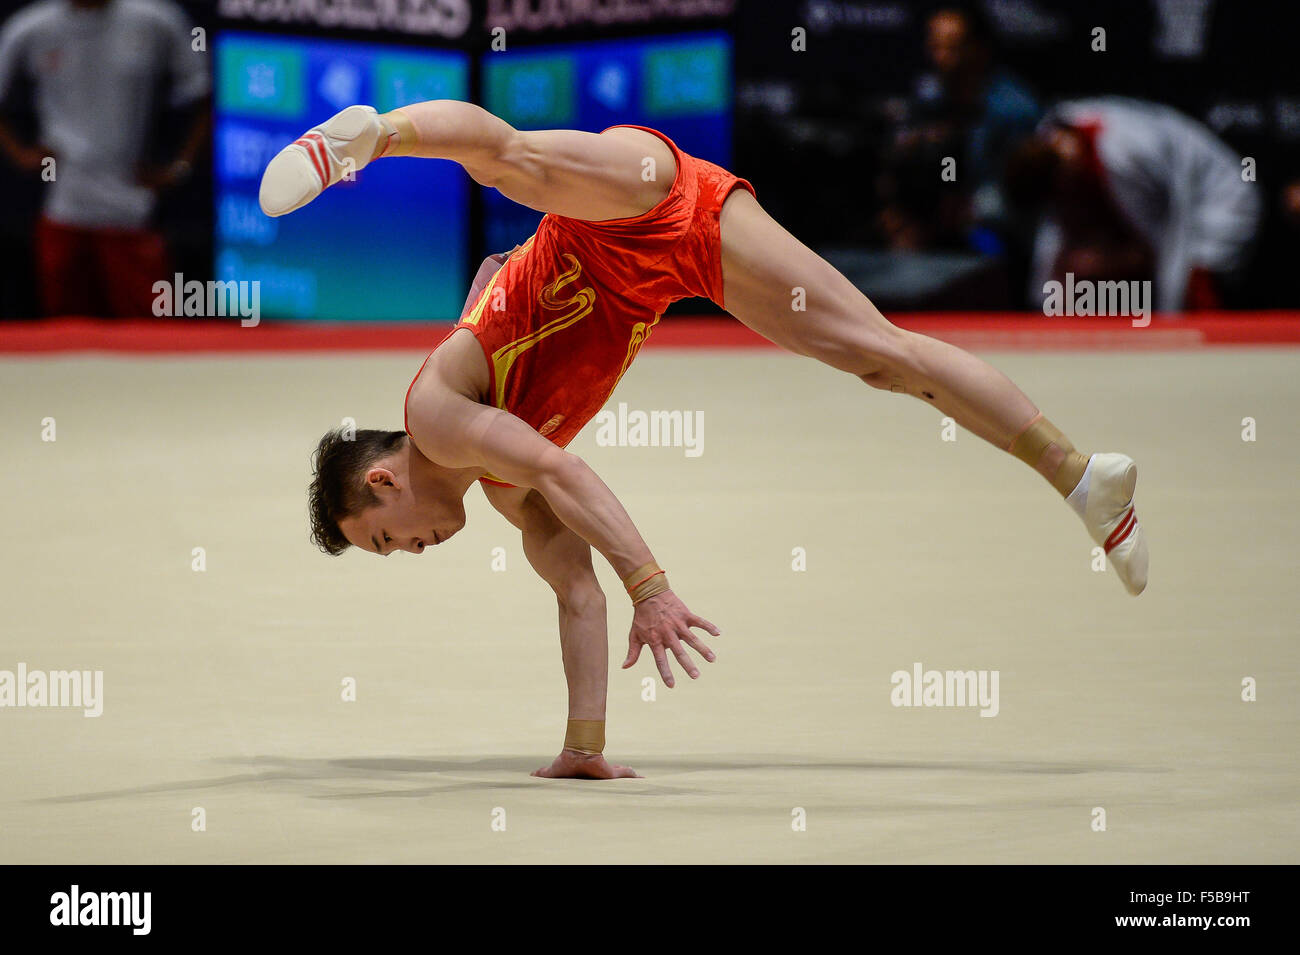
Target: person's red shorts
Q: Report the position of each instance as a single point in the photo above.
(98, 271)
(566, 315)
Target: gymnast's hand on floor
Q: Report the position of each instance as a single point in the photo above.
(664, 621)
(571, 764)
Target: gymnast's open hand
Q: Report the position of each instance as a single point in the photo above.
(664, 621)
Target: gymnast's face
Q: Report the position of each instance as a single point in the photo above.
(405, 518)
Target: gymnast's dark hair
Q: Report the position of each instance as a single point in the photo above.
(338, 487)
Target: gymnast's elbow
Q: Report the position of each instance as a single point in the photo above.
(559, 473)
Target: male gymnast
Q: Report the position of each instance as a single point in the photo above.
(631, 225)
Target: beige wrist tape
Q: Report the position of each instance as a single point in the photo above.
(646, 581)
(586, 736)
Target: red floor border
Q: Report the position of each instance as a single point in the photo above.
(991, 331)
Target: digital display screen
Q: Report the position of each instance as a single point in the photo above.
(390, 246)
(680, 85)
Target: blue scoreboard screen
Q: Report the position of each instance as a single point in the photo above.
(680, 85)
(402, 226)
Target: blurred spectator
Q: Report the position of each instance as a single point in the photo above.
(98, 74)
(1289, 200)
(968, 108)
(1135, 190)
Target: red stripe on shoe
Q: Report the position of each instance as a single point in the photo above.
(1121, 533)
(305, 146)
(324, 157)
(309, 148)
(318, 143)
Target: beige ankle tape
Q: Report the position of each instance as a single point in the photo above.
(585, 736)
(402, 136)
(646, 581)
(1035, 440)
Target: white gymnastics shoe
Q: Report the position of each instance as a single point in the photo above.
(1104, 499)
(319, 158)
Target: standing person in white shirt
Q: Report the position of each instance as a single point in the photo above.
(96, 69)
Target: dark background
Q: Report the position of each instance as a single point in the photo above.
(809, 126)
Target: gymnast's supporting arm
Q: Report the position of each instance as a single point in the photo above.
(563, 559)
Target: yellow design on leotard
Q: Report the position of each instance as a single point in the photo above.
(573, 309)
(640, 333)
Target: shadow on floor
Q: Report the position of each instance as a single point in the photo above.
(337, 778)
